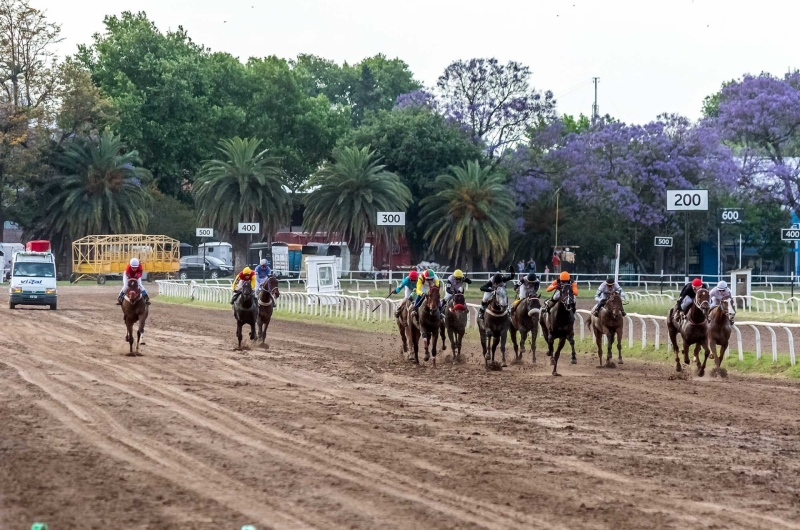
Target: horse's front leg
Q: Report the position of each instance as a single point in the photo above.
(503, 346)
(619, 345)
(435, 341)
(696, 356)
(129, 337)
(571, 340)
(702, 370)
(239, 325)
(610, 339)
(557, 354)
(426, 339)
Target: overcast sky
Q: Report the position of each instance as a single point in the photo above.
(651, 56)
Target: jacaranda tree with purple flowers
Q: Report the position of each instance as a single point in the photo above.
(760, 116)
(495, 102)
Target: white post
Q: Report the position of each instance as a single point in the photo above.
(740, 251)
(616, 265)
(719, 258)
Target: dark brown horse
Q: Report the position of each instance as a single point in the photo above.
(524, 320)
(245, 311)
(134, 309)
(559, 323)
(693, 330)
(494, 325)
(409, 332)
(455, 320)
(267, 297)
(430, 325)
(609, 323)
(720, 325)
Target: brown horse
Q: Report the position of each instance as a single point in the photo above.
(455, 320)
(608, 323)
(524, 320)
(267, 297)
(693, 330)
(408, 331)
(134, 309)
(720, 325)
(245, 311)
(429, 322)
(494, 325)
(559, 323)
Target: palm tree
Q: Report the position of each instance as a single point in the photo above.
(347, 195)
(99, 190)
(243, 186)
(472, 212)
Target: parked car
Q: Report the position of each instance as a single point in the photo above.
(192, 268)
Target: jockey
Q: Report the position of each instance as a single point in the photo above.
(686, 297)
(263, 271)
(719, 293)
(243, 277)
(498, 280)
(427, 280)
(603, 292)
(408, 285)
(564, 277)
(528, 284)
(133, 271)
(455, 284)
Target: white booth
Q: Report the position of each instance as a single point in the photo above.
(322, 278)
(741, 285)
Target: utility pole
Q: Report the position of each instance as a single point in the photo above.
(595, 108)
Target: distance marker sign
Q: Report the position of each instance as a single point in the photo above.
(249, 228)
(687, 200)
(790, 234)
(663, 241)
(731, 215)
(391, 218)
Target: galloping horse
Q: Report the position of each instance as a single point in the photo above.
(559, 323)
(245, 310)
(693, 330)
(720, 325)
(267, 296)
(134, 309)
(608, 322)
(430, 325)
(525, 319)
(495, 325)
(455, 320)
(408, 331)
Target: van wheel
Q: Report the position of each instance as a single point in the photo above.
(53, 306)
(72, 278)
(12, 306)
(101, 280)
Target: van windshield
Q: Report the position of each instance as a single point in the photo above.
(27, 269)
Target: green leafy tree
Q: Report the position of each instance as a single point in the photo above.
(243, 185)
(471, 214)
(99, 189)
(418, 145)
(173, 218)
(347, 195)
(84, 109)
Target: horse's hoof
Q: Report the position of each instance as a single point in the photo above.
(610, 364)
(556, 374)
(427, 357)
(619, 361)
(504, 365)
(678, 367)
(574, 360)
(552, 362)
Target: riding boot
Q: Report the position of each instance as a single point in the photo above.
(624, 313)
(119, 300)
(146, 299)
(235, 296)
(482, 310)
(398, 311)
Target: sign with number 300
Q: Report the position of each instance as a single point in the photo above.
(391, 218)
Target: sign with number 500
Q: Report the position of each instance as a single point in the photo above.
(687, 200)
(391, 218)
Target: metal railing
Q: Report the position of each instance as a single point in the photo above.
(374, 309)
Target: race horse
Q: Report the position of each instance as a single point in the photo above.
(693, 330)
(559, 323)
(409, 333)
(429, 322)
(134, 309)
(720, 325)
(608, 323)
(455, 321)
(525, 320)
(245, 310)
(268, 294)
(494, 325)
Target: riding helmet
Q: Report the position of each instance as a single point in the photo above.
(413, 276)
(135, 263)
(531, 277)
(697, 282)
(429, 274)
(564, 277)
(497, 278)
(610, 281)
(458, 274)
(247, 270)
(722, 285)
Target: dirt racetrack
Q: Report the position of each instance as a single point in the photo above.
(331, 428)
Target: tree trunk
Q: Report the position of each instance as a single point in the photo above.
(239, 242)
(355, 258)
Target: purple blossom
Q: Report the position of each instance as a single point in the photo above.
(494, 101)
(761, 116)
(416, 99)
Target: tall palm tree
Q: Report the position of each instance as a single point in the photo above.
(347, 195)
(243, 186)
(100, 189)
(471, 214)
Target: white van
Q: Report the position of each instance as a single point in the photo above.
(8, 250)
(33, 280)
(221, 251)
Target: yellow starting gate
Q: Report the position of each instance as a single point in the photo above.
(98, 257)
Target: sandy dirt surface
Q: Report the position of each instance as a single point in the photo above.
(332, 428)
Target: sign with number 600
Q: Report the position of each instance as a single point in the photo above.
(391, 218)
(249, 228)
(731, 215)
(663, 241)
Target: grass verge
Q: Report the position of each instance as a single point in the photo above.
(750, 365)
